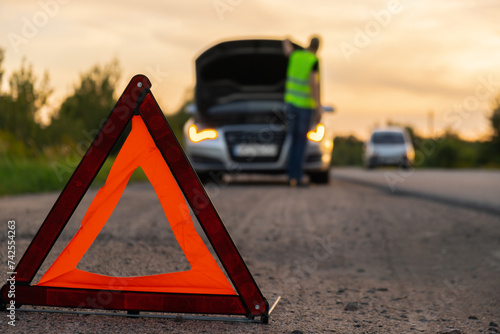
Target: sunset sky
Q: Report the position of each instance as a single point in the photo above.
(380, 60)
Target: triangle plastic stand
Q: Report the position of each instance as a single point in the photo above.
(182, 292)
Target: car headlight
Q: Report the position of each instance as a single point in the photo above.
(317, 134)
(197, 136)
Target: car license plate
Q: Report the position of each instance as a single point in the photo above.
(256, 150)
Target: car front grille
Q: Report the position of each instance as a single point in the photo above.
(264, 137)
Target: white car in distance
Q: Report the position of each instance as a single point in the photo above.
(389, 147)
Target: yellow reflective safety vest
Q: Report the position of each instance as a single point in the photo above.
(298, 90)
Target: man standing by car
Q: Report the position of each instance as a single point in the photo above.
(302, 98)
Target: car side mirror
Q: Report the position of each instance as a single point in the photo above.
(328, 109)
(191, 109)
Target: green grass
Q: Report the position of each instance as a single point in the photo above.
(33, 175)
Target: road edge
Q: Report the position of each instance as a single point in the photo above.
(482, 207)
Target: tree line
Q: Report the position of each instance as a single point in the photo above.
(74, 123)
(71, 123)
(446, 150)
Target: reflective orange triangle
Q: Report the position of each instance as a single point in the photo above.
(139, 150)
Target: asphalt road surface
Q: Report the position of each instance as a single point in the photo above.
(350, 257)
(470, 188)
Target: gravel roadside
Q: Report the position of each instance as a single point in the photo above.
(344, 258)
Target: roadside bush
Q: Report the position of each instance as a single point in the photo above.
(347, 151)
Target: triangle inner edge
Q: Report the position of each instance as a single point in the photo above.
(142, 247)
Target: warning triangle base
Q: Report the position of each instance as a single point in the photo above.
(133, 314)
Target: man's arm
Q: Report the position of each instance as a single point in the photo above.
(315, 90)
(287, 47)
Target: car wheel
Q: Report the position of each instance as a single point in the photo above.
(211, 177)
(322, 177)
(371, 163)
(406, 166)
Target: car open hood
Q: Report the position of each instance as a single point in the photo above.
(241, 70)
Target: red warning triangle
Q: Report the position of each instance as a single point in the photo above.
(152, 146)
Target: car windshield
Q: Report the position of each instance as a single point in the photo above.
(388, 138)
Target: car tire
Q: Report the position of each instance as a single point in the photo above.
(210, 177)
(322, 177)
(406, 166)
